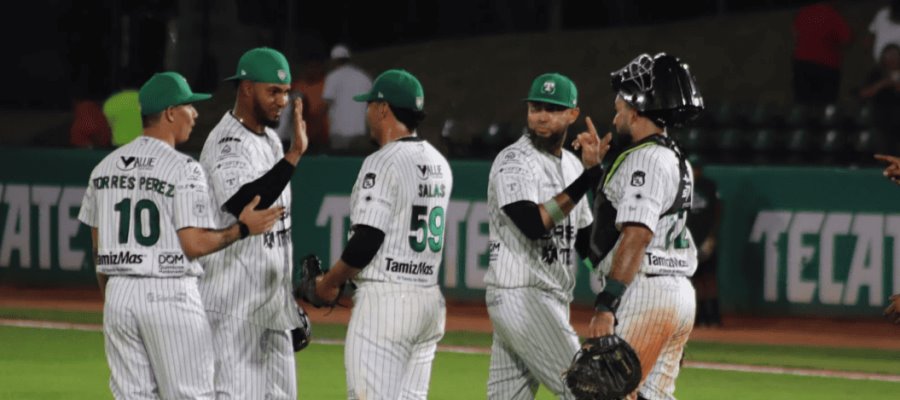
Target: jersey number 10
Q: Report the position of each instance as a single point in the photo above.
(431, 225)
(142, 207)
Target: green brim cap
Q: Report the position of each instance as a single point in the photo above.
(398, 88)
(553, 88)
(164, 90)
(263, 65)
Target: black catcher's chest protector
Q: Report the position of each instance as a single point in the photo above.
(604, 234)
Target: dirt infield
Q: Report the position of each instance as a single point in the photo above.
(874, 333)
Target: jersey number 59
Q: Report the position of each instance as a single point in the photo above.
(427, 229)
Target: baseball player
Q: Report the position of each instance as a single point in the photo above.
(149, 213)
(247, 289)
(639, 236)
(397, 213)
(538, 219)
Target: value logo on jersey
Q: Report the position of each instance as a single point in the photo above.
(130, 163)
(368, 181)
(637, 178)
(429, 171)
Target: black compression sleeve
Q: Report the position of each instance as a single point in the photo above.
(268, 187)
(362, 246)
(527, 217)
(583, 242)
(589, 179)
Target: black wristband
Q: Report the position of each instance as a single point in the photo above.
(245, 230)
(590, 178)
(609, 298)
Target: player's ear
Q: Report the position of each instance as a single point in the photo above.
(572, 115)
(169, 114)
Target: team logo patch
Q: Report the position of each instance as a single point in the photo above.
(420, 102)
(549, 87)
(637, 178)
(368, 181)
(282, 75)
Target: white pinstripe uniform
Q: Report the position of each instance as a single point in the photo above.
(530, 282)
(157, 338)
(656, 314)
(398, 315)
(247, 286)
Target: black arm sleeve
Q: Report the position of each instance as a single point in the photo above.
(268, 187)
(583, 242)
(527, 217)
(362, 246)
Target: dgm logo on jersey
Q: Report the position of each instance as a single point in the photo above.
(129, 163)
(828, 258)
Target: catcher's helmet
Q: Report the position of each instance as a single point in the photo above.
(659, 87)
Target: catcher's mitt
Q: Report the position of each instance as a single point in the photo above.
(606, 368)
(301, 335)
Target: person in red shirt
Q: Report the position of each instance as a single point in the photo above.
(820, 36)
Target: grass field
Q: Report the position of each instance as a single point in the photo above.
(69, 364)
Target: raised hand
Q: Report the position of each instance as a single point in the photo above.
(300, 141)
(593, 149)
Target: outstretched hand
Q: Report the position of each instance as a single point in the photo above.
(593, 149)
(892, 170)
(259, 221)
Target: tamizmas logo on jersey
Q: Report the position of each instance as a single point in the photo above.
(131, 162)
(426, 172)
(119, 258)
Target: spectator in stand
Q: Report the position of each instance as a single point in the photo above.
(885, 28)
(346, 118)
(820, 36)
(89, 127)
(882, 90)
(315, 112)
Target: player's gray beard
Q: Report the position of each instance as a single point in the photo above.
(262, 118)
(547, 144)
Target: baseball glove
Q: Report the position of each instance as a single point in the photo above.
(301, 335)
(606, 368)
(312, 268)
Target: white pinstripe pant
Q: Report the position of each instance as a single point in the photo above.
(157, 339)
(252, 362)
(656, 317)
(533, 343)
(391, 340)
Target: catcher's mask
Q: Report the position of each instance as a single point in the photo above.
(660, 88)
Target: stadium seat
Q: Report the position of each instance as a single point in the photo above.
(798, 145)
(730, 145)
(695, 140)
(833, 147)
(864, 143)
(762, 116)
(763, 144)
(831, 117)
(863, 117)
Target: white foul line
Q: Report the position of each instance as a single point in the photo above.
(479, 350)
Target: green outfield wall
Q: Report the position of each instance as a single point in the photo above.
(794, 241)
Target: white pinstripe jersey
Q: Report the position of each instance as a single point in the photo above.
(138, 197)
(521, 172)
(251, 279)
(403, 190)
(643, 187)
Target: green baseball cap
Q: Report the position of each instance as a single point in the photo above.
(398, 88)
(164, 90)
(264, 65)
(554, 88)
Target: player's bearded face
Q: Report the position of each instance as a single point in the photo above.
(270, 100)
(622, 135)
(547, 125)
